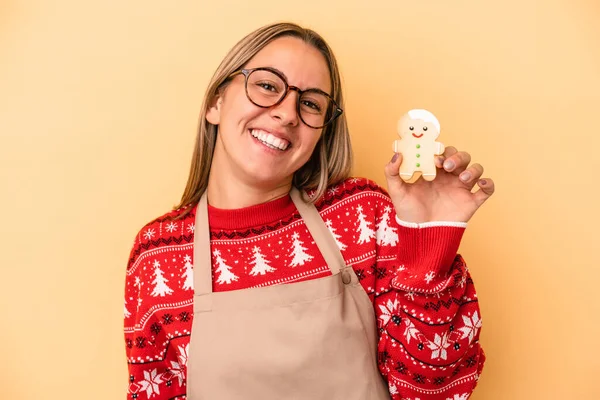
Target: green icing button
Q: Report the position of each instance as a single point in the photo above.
(418, 165)
(418, 146)
(418, 155)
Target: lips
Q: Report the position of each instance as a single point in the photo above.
(417, 136)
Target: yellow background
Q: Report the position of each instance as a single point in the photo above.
(98, 111)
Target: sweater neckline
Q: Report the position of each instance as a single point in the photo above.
(252, 216)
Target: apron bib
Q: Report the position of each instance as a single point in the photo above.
(306, 340)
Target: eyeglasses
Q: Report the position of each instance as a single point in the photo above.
(266, 87)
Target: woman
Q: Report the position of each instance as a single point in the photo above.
(278, 276)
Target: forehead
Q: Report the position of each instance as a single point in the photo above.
(301, 63)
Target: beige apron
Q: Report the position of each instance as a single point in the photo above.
(307, 340)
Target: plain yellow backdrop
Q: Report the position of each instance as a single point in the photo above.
(98, 110)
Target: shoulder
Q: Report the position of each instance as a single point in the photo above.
(175, 227)
(353, 190)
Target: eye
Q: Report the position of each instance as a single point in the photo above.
(311, 105)
(412, 128)
(424, 128)
(267, 86)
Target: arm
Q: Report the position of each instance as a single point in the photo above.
(131, 305)
(132, 294)
(431, 348)
(427, 314)
(145, 379)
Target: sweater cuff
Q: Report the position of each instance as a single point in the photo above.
(426, 252)
(430, 224)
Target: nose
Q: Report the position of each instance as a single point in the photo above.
(286, 110)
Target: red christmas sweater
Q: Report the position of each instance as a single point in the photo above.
(426, 307)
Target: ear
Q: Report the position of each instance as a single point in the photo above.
(213, 114)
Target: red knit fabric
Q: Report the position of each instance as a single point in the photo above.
(424, 300)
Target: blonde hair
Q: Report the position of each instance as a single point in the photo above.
(331, 161)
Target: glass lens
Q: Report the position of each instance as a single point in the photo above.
(265, 88)
(314, 107)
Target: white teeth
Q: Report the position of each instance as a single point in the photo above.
(270, 140)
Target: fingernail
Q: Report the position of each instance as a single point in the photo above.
(483, 182)
(449, 164)
(394, 158)
(465, 176)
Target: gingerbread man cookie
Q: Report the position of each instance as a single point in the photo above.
(418, 130)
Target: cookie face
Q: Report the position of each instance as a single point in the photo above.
(418, 130)
(417, 124)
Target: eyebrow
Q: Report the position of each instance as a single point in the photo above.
(281, 72)
(287, 80)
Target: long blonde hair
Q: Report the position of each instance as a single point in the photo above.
(331, 161)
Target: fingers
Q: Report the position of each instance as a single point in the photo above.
(456, 161)
(486, 189)
(392, 169)
(392, 174)
(470, 176)
(449, 151)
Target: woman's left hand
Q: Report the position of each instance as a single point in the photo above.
(448, 197)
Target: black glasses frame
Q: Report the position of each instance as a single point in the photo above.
(335, 111)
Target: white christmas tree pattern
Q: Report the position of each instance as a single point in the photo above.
(261, 264)
(386, 235)
(337, 237)
(127, 313)
(188, 275)
(160, 282)
(224, 270)
(366, 233)
(299, 254)
(150, 383)
(138, 283)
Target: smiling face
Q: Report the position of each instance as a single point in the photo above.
(266, 146)
(416, 128)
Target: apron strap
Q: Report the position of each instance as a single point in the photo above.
(323, 237)
(202, 255)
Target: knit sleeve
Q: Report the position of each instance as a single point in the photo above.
(427, 314)
(134, 343)
(148, 376)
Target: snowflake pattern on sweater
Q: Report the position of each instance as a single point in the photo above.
(428, 317)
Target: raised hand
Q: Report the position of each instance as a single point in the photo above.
(448, 197)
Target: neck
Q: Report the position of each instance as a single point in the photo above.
(229, 192)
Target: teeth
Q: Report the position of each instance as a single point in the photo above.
(269, 140)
